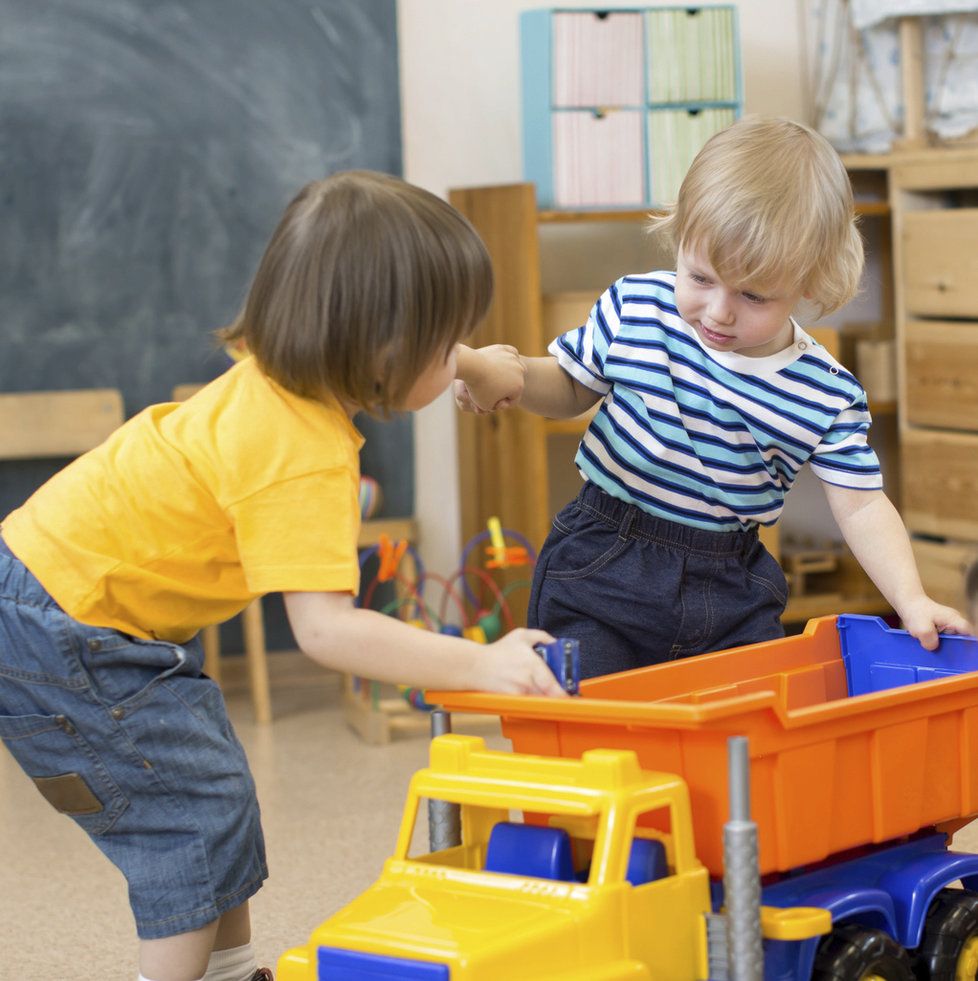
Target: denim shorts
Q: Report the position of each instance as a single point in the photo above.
(132, 740)
(637, 590)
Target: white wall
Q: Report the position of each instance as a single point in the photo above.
(460, 114)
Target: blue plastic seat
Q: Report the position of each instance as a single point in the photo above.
(529, 849)
(646, 861)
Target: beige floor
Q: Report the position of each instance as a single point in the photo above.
(330, 804)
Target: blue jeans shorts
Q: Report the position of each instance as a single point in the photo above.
(637, 590)
(130, 739)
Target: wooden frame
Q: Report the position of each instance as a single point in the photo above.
(40, 425)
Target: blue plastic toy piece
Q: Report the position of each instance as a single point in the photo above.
(530, 849)
(890, 889)
(563, 657)
(336, 964)
(646, 861)
(878, 657)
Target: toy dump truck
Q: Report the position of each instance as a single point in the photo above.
(581, 893)
(863, 757)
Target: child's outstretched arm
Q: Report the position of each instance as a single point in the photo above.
(498, 376)
(876, 534)
(331, 630)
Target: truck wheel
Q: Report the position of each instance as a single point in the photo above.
(949, 950)
(857, 953)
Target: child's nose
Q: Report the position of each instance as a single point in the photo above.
(719, 309)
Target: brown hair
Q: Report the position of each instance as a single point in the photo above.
(769, 204)
(365, 282)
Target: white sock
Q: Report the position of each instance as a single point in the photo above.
(233, 964)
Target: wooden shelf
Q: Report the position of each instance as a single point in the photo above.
(394, 528)
(802, 609)
(555, 217)
(947, 153)
(867, 161)
(873, 209)
(377, 718)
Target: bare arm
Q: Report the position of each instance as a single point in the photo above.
(876, 534)
(550, 391)
(497, 377)
(331, 630)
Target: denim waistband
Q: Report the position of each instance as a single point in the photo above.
(17, 581)
(633, 522)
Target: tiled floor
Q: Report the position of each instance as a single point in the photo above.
(330, 804)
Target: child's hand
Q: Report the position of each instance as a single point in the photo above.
(512, 667)
(464, 400)
(925, 619)
(489, 378)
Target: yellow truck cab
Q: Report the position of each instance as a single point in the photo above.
(600, 882)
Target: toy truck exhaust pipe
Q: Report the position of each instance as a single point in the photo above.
(741, 872)
(444, 819)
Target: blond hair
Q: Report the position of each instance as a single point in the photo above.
(769, 204)
(365, 282)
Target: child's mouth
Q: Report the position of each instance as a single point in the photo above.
(715, 338)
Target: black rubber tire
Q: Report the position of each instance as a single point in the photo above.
(852, 952)
(952, 921)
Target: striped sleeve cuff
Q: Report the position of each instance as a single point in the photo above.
(573, 366)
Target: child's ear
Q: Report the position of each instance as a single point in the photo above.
(382, 368)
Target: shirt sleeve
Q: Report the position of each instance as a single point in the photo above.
(582, 352)
(300, 534)
(844, 457)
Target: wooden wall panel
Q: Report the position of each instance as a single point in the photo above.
(502, 458)
(942, 374)
(942, 566)
(940, 262)
(940, 483)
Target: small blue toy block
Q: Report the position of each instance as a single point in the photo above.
(563, 657)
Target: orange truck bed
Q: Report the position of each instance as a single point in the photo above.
(829, 772)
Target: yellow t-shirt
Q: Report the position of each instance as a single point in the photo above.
(190, 510)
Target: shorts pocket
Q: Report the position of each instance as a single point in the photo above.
(766, 571)
(581, 544)
(65, 769)
(124, 670)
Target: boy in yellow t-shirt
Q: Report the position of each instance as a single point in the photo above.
(191, 510)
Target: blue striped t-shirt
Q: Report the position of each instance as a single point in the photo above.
(712, 439)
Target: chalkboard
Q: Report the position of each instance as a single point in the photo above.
(148, 148)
